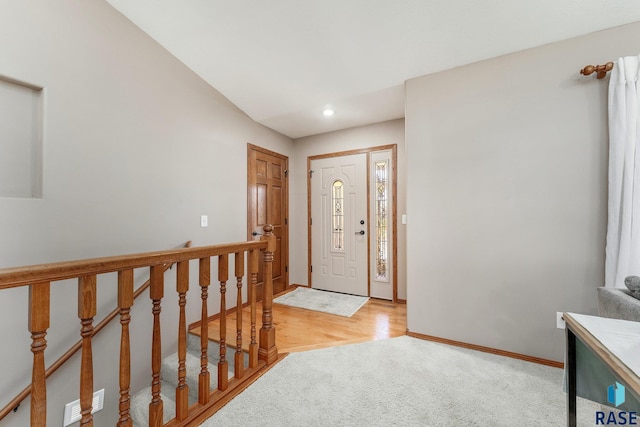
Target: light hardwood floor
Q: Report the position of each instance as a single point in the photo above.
(299, 329)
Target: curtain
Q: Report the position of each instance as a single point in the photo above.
(622, 257)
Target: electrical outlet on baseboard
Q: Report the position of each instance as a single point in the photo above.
(560, 320)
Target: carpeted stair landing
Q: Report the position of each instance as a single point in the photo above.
(169, 379)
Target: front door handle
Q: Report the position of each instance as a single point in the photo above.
(361, 232)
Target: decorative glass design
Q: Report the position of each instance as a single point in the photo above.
(337, 214)
(382, 232)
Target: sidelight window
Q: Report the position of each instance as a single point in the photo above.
(381, 207)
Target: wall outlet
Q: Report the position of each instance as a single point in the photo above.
(204, 221)
(560, 320)
(72, 409)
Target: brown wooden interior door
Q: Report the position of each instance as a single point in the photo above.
(268, 204)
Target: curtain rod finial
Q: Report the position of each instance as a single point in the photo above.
(587, 70)
(600, 70)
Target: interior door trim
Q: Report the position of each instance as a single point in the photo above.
(394, 199)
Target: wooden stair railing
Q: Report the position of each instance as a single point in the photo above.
(16, 401)
(263, 353)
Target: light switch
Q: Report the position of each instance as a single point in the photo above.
(204, 221)
(404, 218)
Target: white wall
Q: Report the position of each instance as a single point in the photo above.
(507, 194)
(385, 133)
(136, 147)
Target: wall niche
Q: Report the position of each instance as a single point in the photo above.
(21, 120)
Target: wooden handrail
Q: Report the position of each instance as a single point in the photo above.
(15, 402)
(262, 353)
(21, 276)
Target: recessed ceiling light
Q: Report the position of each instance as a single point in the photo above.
(328, 112)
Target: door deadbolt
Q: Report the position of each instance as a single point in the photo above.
(362, 222)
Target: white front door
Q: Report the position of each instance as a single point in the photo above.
(339, 224)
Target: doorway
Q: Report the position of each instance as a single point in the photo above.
(352, 222)
(268, 203)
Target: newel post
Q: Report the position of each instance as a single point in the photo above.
(268, 351)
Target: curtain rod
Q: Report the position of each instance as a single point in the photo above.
(600, 70)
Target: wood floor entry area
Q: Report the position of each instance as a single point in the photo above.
(298, 329)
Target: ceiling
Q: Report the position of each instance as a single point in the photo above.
(284, 61)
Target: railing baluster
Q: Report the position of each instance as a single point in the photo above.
(253, 283)
(238, 365)
(204, 379)
(125, 302)
(223, 365)
(86, 311)
(38, 324)
(156, 293)
(182, 391)
(268, 351)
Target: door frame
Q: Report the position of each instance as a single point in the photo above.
(394, 210)
(252, 188)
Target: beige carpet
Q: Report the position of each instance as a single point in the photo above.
(403, 382)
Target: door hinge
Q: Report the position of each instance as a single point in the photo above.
(286, 268)
(310, 221)
(286, 173)
(286, 221)
(311, 268)
(310, 173)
